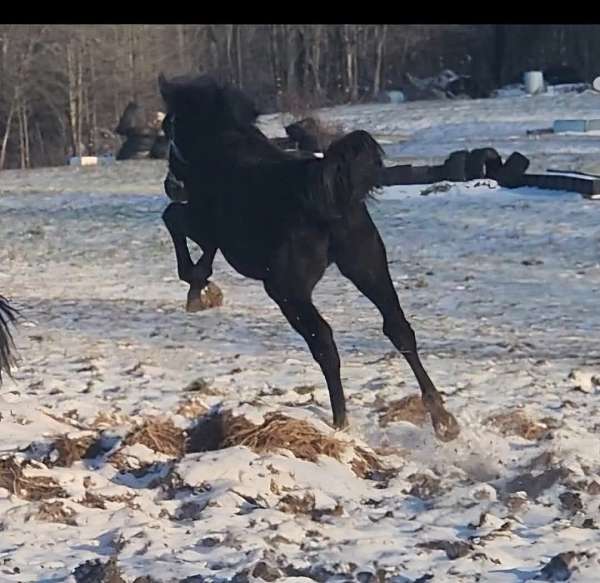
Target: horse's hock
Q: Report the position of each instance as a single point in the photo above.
(206, 298)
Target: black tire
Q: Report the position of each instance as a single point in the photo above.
(407, 174)
(160, 148)
(513, 169)
(136, 147)
(482, 163)
(454, 168)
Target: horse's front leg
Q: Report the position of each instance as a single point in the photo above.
(177, 220)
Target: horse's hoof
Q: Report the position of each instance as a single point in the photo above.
(194, 303)
(199, 299)
(341, 423)
(445, 425)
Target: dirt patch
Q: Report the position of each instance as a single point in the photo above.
(16, 482)
(409, 409)
(276, 432)
(516, 422)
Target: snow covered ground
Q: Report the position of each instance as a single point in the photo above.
(430, 130)
(502, 290)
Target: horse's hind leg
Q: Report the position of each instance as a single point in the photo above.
(360, 255)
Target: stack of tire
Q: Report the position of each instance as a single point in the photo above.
(143, 139)
(462, 166)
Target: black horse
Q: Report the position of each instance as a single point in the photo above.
(7, 317)
(283, 221)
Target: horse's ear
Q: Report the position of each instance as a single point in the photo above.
(164, 86)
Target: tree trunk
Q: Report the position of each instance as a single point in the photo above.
(228, 50)
(274, 54)
(292, 56)
(380, 35)
(238, 55)
(7, 134)
(181, 46)
(499, 53)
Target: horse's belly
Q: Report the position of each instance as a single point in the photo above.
(246, 267)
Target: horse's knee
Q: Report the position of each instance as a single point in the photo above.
(172, 215)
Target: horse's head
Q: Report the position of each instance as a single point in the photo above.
(199, 108)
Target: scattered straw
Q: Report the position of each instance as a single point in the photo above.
(107, 420)
(409, 408)
(94, 500)
(70, 450)
(516, 422)
(191, 408)
(65, 419)
(16, 482)
(292, 504)
(56, 511)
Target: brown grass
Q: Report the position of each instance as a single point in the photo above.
(409, 409)
(16, 482)
(276, 432)
(516, 422)
(160, 435)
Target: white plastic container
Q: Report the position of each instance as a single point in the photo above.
(534, 82)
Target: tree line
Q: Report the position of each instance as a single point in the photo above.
(64, 87)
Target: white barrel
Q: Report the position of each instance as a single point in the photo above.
(596, 84)
(534, 82)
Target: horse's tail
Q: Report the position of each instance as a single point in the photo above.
(348, 174)
(7, 317)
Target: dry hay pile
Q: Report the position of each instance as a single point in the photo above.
(13, 478)
(277, 432)
(159, 435)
